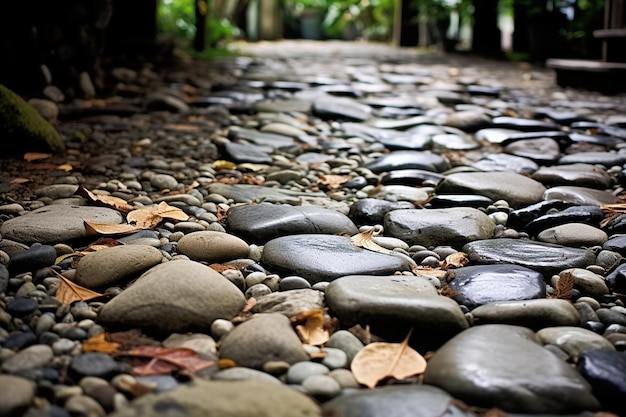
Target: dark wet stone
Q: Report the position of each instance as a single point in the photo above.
(256, 137)
(607, 129)
(478, 285)
(21, 306)
(551, 134)
(546, 258)
(261, 222)
(608, 159)
(36, 257)
(244, 152)
(505, 162)
(417, 177)
(517, 375)
(616, 225)
(460, 200)
(582, 175)
(341, 108)
(608, 316)
(314, 257)
(605, 370)
(400, 123)
(280, 106)
(391, 305)
(540, 150)
(518, 219)
(586, 139)
(425, 227)
(4, 278)
(395, 401)
(483, 90)
(563, 117)
(616, 244)
(467, 120)
(408, 160)
(355, 183)
(591, 215)
(494, 135)
(526, 125)
(19, 340)
(245, 193)
(372, 211)
(579, 195)
(392, 139)
(94, 364)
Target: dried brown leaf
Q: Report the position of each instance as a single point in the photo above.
(69, 292)
(564, 286)
(448, 292)
(36, 156)
(107, 200)
(150, 217)
(380, 360)
(131, 339)
(99, 343)
(312, 331)
(65, 167)
(162, 360)
(249, 305)
(19, 181)
(455, 260)
(364, 240)
(333, 181)
(93, 228)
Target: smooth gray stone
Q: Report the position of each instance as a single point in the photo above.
(439, 227)
(467, 120)
(36, 257)
(415, 177)
(517, 375)
(193, 300)
(400, 123)
(259, 223)
(505, 162)
(454, 142)
(245, 152)
(35, 356)
(396, 401)
(109, 266)
(264, 338)
(408, 160)
(608, 159)
(227, 399)
(494, 135)
(245, 193)
(404, 193)
(581, 175)
(588, 283)
(16, 395)
(56, 223)
(212, 247)
(300, 371)
(270, 141)
(525, 125)
(56, 191)
(573, 340)
(580, 195)
(328, 107)
(392, 139)
(239, 373)
(392, 305)
(546, 258)
(534, 314)
(372, 211)
(4, 278)
(283, 106)
(574, 234)
(540, 150)
(290, 303)
(482, 284)
(516, 189)
(314, 257)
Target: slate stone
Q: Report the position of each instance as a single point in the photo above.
(392, 139)
(546, 258)
(605, 370)
(21, 306)
(259, 223)
(494, 135)
(582, 175)
(341, 108)
(414, 177)
(94, 364)
(439, 227)
(535, 382)
(314, 257)
(573, 340)
(534, 314)
(245, 193)
(156, 302)
(372, 211)
(56, 223)
(245, 152)
(516, 189)
(408, 160)
(227, 399)
(261, 139)
(579, 195)
(608, 159)
(391, 305)
(616, 244)
(573, 234)
(460, 200)
(467, 120)
(36, 257)
(482, 284)
(264, 338)
(504, 162)
(525, 125)
(540, 150)
(519, 219)
(395, 401)
(589, 215)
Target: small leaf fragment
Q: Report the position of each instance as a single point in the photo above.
(365, 240)
(455, 260)
(163, 360)
(380, 360)
(70, 292)
(93, 228)
(36, 156)
(564, 286)
(99, 343)
(313, 331)
(334, 181)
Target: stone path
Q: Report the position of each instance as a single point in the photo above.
(258, 235)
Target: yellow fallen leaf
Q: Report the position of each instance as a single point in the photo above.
(222, 164)
(455, 260)
(364, 240)
(36, 156)
(93, 228)
(99, 343)
(312, 332)
(70, 292)
(65, 167)
(380, 360)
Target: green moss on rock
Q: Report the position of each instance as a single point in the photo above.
(22, 128)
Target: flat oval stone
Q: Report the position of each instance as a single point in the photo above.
(534, 314)
(372, 211)
(410, 177)
(438, 227)
(516, 189)
(259, 223)
(246, 193)
(36, 257)
(494, 135)
(467, 120)
(483, 284)
(579, 195)
(504, 162)
(239, 373)
(16, 395)
(588, 215)
(581, 175)
(540, 150)
(212, 247)
(608, 159)
(393, 304)
(56, 223)
(573, 340)
(408, 160)
(246, 152)
(35, 356)
(574, 234)
(546, 258)
(525, 125)
(193, 300)
(95, 364)
(341, 108)
(460, 200)
(264, 338)
(517, 376)
(314, 257)
(108, 266)
(605, 370)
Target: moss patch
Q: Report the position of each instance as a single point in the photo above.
(22, 128)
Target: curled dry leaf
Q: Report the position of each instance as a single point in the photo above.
(65, 167)
(334, 181)
(36, 156)
(455, 260)
(107, 200)
(150, 217)
(365, 240)
(380, 360)
(312, 331)
(99, 343)
(160, 360)
(93, 228)
(69, 292)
